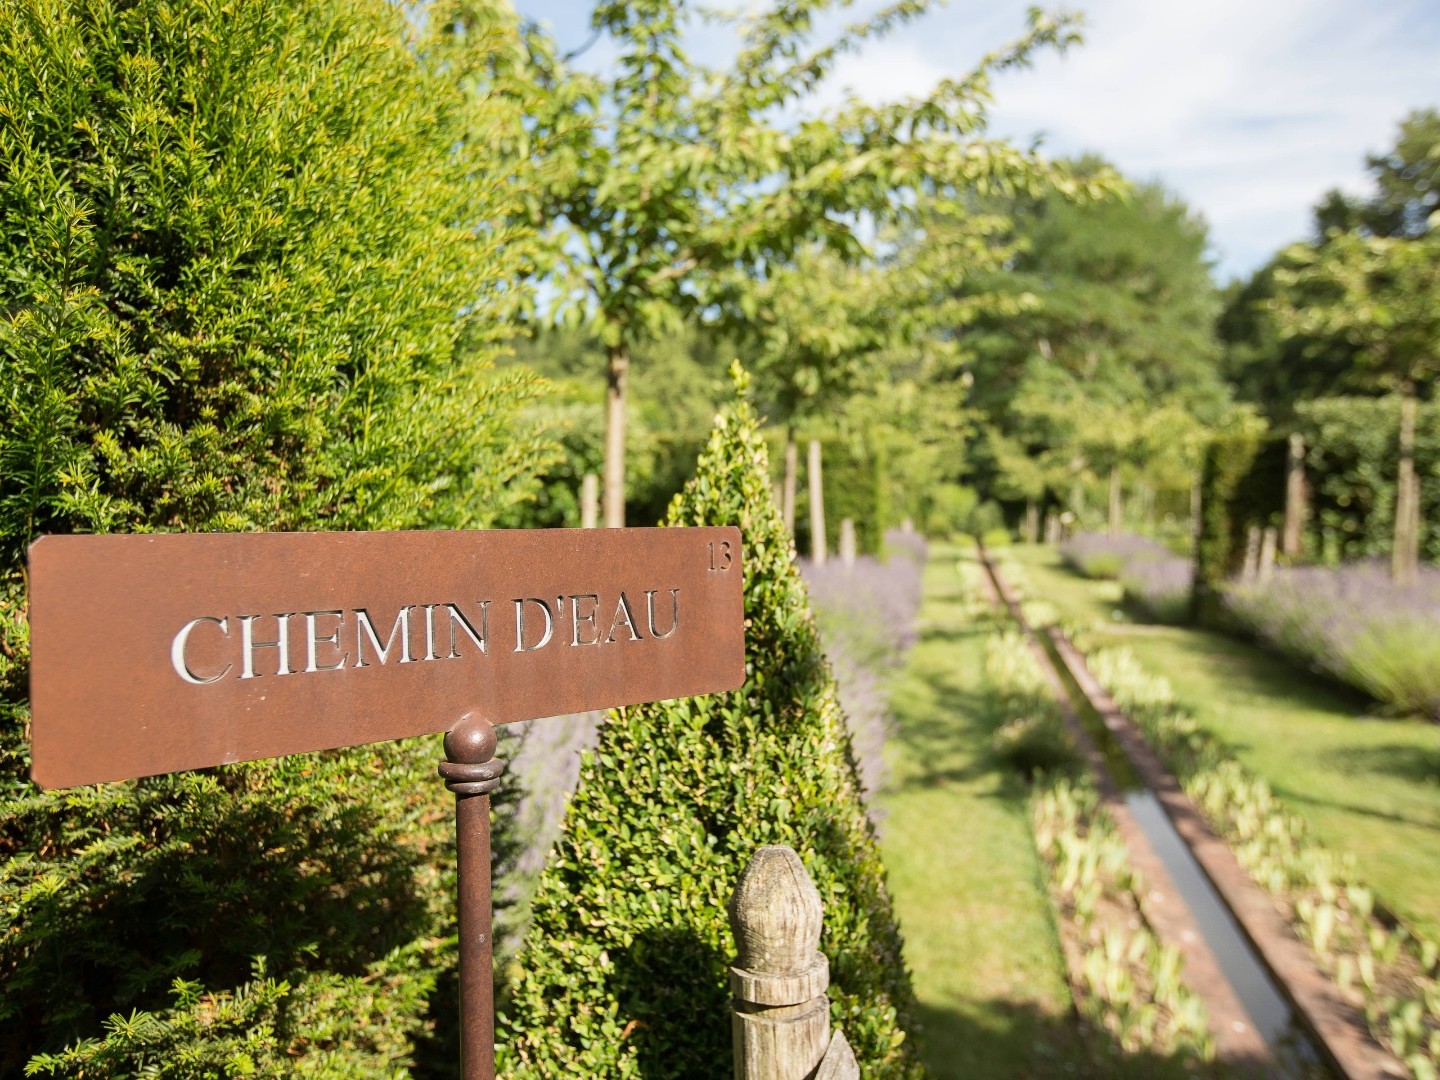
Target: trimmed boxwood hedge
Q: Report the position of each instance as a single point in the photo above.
(623, 969)
(1352, 460)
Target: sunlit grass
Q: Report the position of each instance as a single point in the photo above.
(964, 875)
(1366, 785)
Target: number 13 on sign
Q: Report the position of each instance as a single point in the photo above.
(722, 558)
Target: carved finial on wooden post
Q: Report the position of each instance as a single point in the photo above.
(779, 979)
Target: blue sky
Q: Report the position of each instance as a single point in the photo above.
(1248, 109)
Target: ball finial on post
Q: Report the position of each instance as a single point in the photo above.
(471, 741)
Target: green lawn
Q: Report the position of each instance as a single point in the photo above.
(1365, 785)
(979, 936)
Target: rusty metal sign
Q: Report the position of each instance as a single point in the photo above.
(154, 654)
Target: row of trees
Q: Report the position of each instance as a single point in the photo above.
(257, 260)
(1355, 310)
(675, 190)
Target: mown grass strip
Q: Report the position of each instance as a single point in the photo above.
(963, 872)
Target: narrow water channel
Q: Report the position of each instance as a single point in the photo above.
(1295, 1054)
(1269, 1009)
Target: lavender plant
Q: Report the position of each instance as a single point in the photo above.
(1155, 580)
(1100, 555)
(866, 614)
(1160, 586)
(1354, 623)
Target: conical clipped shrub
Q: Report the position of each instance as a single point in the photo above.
(623, 969)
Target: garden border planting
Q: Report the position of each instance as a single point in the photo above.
(1237, 1042)
(1338, 1028)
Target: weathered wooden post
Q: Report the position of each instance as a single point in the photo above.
(817, 505)
(1250, 569)
(847, 541)
(781, 1014)
(1266, 564)
(590, 501)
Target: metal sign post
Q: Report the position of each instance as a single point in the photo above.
(472, 773)
(208, 649)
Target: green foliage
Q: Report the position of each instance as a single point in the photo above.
(1242, 485)
(674, 188)
(953, 509)
(676, 385)
(1032, 739)
(1108, 360)
(1133, 986)
(1353, 310)
(851, 473)
(238, 245)
(1351, 464)
(623, 970)
(1407, 186)
(289, 915)
(1376, 296)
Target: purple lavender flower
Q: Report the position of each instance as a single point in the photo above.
(1160, 585)
(1354, 623)
(867, 619)
(1100, 555)
(1155, 579)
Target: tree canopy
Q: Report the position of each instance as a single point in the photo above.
(668, 178)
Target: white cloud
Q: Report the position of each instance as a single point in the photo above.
(1248, 109)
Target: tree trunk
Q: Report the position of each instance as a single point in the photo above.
(1197, 508)
(1115, 504)
(1405, 556)
(616, 387)
(1292, 538)
(590, 501)
(817, 505)
(792, 466)
(1032, 522)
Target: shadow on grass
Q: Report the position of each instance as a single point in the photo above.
(1403, 761)
(1019, 1042)
(1289, 794)
(1249, 670)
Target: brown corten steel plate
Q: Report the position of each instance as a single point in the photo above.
(117, 691)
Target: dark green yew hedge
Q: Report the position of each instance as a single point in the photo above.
(623, 969)
(1351, 462)
(1242, 484)
(238, 243)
